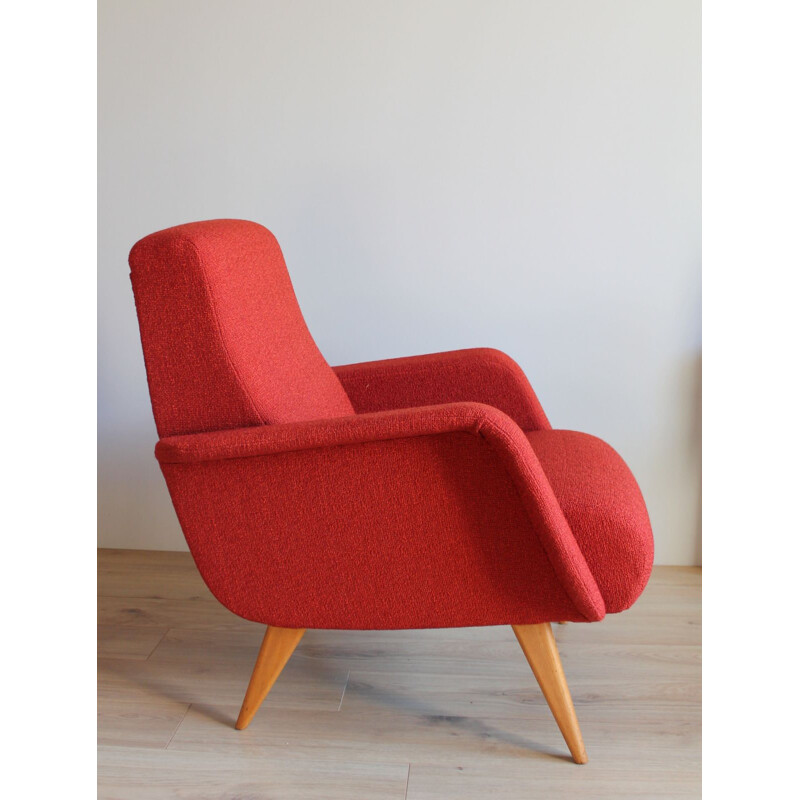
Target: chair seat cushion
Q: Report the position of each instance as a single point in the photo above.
(605, 509)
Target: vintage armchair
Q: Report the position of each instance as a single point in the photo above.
(419, 492)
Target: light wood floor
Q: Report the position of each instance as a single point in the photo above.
(414, 715)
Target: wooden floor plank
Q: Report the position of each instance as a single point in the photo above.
(139, 724)
(148, 574)
(665, 740)
(200, 612)
(592, 674)
(114, 641)
(133, 774)
(428, 782)
(207, 670)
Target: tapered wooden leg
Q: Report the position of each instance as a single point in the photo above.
(539, 646)
(276, 649)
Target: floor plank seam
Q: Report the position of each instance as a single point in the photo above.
(188, 708)
(158, 643)
(344, 689)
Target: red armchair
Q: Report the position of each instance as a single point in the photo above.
(415, 492)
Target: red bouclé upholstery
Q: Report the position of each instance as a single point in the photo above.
(224, 341)
(480, 375)
(605, 509)
(417, 492)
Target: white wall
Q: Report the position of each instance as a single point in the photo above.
(440, 174)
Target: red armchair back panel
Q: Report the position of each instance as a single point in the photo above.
(225, 343)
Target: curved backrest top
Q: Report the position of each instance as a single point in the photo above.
(225, 343)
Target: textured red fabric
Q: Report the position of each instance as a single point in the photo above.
(424, 517)
(431, 507)
(605, 510)
(224, 341)
(480, 375)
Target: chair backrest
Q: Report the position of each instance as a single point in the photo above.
(225, 343)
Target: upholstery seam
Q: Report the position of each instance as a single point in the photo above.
(499, 431)
(204, 459)
(212, 304)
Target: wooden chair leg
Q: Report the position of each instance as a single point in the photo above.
(539, 646)
(276, 649)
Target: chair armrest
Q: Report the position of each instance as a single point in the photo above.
(475, 418)
(481, 375)
(327, 523)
